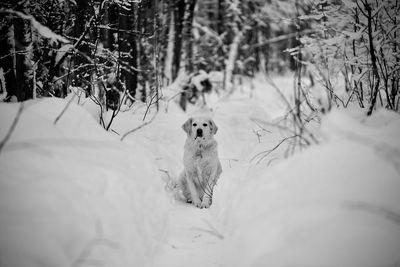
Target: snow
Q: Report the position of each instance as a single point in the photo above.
(61, 52)
(43, 31)
(47, 33)
(193, 237)
(72, 194)
(335, 204)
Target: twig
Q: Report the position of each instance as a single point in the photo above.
(282, 38)
(171, 98)
(148, 107)
(167, 173)
(267, 152)
(259, 125)
(64, 109)
(76, 44)
(285, 128)
(115, 112)
(139, 127)
(272, 83)
(97, 102)
(115, 132)
(12, 128)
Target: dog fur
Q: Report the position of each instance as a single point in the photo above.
(202, 167)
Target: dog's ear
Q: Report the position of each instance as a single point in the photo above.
(213, 126)
(187, 126)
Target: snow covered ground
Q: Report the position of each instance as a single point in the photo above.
(335, 204)
(72, 194)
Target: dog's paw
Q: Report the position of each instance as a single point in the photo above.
(206, 203)
(197, 203)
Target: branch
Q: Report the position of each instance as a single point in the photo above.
(42, 30)
(282, 38)
(64, 109)
(76, 44)
(208, 31)
(139, 127)
(97, 102)
(12, 128)
(267, 152)
(119, 30)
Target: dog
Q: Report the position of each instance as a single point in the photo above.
(202, 167)
(197, 86)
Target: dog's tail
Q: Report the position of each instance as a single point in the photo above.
(173, 186)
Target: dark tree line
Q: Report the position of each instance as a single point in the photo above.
(134, 48)
(130, 46)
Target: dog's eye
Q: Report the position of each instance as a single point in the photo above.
(194, 124)
(205, 124)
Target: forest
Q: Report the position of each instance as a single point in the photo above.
(131, 50)
(299, 100)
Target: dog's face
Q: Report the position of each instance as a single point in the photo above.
(200, 128)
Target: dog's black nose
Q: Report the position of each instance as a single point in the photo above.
(199, 132)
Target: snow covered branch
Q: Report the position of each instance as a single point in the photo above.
(41, 29)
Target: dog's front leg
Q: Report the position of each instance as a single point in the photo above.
(192, 188)
(209, 188)
(207, 198)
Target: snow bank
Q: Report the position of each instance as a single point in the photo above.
(335, 204)
(72, 194)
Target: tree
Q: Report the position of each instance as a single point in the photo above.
(179, 14)
(356, 40)
(23, 63)
(187, 37)
(128, 47)
(7, 56)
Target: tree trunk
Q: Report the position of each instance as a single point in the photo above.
(79, 28)
(220, 24)
(375, 90)
(106, 34)
(170, 47)
(7, 60)
(144, 26)
(221, 29)
(23, 65)
(133, 54)
(128, 47)
(262, 62)
(230, 63)
(187, 37)
(179, 12)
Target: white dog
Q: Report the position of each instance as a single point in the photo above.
(202, 167)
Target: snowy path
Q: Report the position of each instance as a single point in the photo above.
(192, 239)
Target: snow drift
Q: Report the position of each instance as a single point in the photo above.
(72, 194)
(335, 204)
